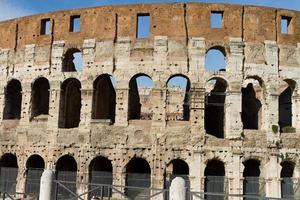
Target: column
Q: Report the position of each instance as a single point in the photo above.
(272, 177)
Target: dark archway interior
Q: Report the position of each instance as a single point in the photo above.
(35, 166)
(287, 182)
(13, 100)
(66, 163)
(214, 179)
(68, 64)
(180, 167)
(214, 109)
(70, 104)
(182, 83)
(251, 168)
(35, 162)
(285, 107)
(8, 173)
(138, 174)
(287, 170)
(250, 107)
(104, 99)
(40, 97)
(251, 182)
(101, 164)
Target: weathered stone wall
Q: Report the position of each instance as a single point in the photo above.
(180, 37)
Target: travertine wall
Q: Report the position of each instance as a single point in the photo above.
(180, 37)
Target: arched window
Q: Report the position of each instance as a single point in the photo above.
(40, 97)
(138, 174)
(287, 183)
(251, 104)
(101, 173)
(70, 104)
(66, 170)
(285, 104)
(72, 61)
(215, 59)
(176, 168)
(214, 180)
(9, 173)
(178, 101)
(13, 100)
(215, 107)
(139, 98)
(35, 166)
(104, 98)
(251, 183)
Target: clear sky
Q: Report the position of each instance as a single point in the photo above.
(15, 8)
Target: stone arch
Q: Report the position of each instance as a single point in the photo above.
(138, 174)
(104, 98)
(214, 179)
(101, 172)
(13, 100)
(40, 97)
(178, 97)
(139, 97)
(66, 170)
(214, 115)
(34, 169)
(285, 104)
(252, 101)
(215, 55)
(69, 63)
(286, 182)
(70, 103)
(8, 173)
(251, 175)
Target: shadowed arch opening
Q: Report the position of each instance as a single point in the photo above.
(214, 115)
(285, 104)
(251, 182)
(101, 172)
(215, 59)
(287, 182)
(34, 169)
(8, 173)
(72, 61)
(214, 179)
(138, 174)
(252, 95)
(70, 104)
(104, 99)
(66, 170)
(178, 101)
(139, 97)
(13, 100)
(40, 97)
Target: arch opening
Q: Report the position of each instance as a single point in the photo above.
(178, 98)
(287, 183)
(285, 105)
(101, 172)
(214, 179)
(70, 104)
(40, 97)
(214, 115)
(13, 100)
(8, 173)
(139, 97)
(72, 61)
(34, 169)
(104, 99)
(138, 174)
(251, 106)
(251, 182)
(215, 59)
(66, 170)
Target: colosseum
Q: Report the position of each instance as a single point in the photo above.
(231, 133)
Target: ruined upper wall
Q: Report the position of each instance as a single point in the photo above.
(178, 21)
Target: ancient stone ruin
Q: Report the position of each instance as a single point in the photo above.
(229, 131)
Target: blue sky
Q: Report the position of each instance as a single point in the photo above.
(15, 8)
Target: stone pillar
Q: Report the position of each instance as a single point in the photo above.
(195, 176)
(121, 118)
(296, 110)
(46, 189)
(196, 53)
(26, 104)
(236, 58)
(272, 116)
(178, 189)
(234, 175)
(4, 63)
(54, 104)
(118, 179)
(86, 107)
(158, 99)
(272, 174)
(88, 53)
(122, 52)
(57, 57)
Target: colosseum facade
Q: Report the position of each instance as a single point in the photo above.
(233, 131)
